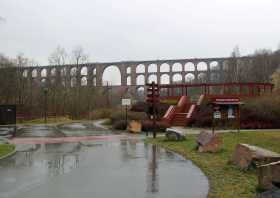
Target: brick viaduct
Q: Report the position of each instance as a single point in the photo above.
(134, 74)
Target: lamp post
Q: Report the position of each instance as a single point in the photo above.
(45, 104)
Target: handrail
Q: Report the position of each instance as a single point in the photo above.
(200, 99)
(270, 164)
(190, 112)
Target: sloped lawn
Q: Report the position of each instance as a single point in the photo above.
(225, 179)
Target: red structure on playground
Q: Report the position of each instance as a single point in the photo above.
(190, 97)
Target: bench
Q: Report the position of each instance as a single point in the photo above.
(267, 163)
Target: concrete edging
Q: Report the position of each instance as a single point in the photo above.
(9, 154)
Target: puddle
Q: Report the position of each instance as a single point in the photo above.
(126, 168)
(82, 163)
(38, 131)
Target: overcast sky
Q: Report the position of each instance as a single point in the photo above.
(114, 30)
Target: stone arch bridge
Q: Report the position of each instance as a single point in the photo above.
(133, 74)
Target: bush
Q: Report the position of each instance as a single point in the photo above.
(101, 113)
(139, 107)
(203, 116)
(143, 107)
(169, 102)
(147, 125)
(262, 112)
(120, 125)
(256, 113)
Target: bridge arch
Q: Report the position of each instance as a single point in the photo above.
(177, 67)
(84, 71)
(152, 78)
(177, 79)
(189, 78)
(152, 68)
(214, 65)
(128, 70)
(140, 68)
(53, 71)
(84, 81)
(25, 73)
(164, 79)
(73, 71)
(140, 91)
(112, 75)
(34, 73)
(202, 66)
(202, 77)
(189, 66)
(140, 80)
(63, 71)
(128, 80)
(43, 73)
(164, 67)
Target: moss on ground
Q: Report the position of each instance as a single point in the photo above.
(225, 179)
(5, 149)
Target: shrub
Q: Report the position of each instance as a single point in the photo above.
(261, 112)
(101, 113)
(120, 125)
(139, 107)
(257, 113)
(169, 102)
(203, 116)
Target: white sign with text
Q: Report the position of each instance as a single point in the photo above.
(126, 102)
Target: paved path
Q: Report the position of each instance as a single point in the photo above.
(99, 123)
(117, 168)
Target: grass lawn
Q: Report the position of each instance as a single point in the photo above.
(6, 149)
(225, 179)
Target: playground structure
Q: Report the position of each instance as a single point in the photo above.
(191, 96)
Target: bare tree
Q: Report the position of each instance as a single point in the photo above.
(276, 79)
(78, 55)
(58, 56)
(233, 71)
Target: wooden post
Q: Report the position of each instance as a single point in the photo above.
(213, 121)
(238, 118)
(154, 108)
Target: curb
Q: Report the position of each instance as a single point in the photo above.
(9, 154)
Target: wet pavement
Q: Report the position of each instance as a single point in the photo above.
(118, 167)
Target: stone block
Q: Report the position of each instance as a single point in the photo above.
(208, 142)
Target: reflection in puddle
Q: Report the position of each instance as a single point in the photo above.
(38, 131)
(127, 168)
(152, 176)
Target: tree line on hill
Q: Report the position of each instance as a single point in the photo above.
(78, 101)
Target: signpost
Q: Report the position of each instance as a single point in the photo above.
(153, 102)
(126, 102)
(226, 109)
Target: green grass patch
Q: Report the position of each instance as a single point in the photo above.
(225, 179)
(5, 149)
(169, 102)
(49, 120)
